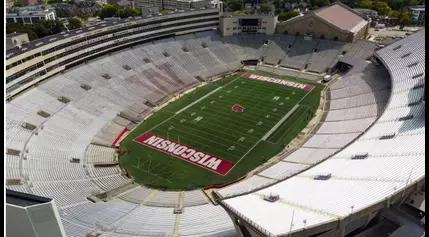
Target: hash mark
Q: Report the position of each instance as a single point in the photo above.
(241, 139)
(276, 98)
(259, 123)
(267, 116)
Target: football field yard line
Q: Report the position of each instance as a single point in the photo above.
(200, 99)
(274, 128)
(187, 106)
(261, 139)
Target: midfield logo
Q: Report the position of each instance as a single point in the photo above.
(237, 108)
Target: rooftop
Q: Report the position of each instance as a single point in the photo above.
(340, 16)
(24, 199)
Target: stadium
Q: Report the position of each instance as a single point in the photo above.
(203, 123)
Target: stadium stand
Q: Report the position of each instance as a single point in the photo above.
(376, 167)
(106, 95)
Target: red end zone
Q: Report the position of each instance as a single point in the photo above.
(278, 81)
(186, 153)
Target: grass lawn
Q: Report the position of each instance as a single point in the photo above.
(273, 115)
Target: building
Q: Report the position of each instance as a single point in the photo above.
(16, 39)
(231, 24)
(418, 14)
(30, 215)
(123, 3)
(30, 16)
(26, 66)
(174, 4)
(335, 22)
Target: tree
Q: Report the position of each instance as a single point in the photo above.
(319, 3)
(54, 1)
(394, 13)
(405, 19)
(266, 7)
(21, 28)
(235, 5)
(382, 8)
(84, 17)
(74, 23)
(53, 26)
(108, 11)
(287, 15)
(367, 4)
(18, 4)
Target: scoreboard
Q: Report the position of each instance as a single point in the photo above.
(250, 22)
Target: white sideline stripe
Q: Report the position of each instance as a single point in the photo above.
(200, 99)
(274, 128)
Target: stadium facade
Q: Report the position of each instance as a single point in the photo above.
(367, 155)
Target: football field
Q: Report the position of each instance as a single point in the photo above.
(218, 132)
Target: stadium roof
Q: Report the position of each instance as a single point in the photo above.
(338, 15)
(24, 199)
(341, 16)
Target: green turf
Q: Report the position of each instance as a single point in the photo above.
(210, 125)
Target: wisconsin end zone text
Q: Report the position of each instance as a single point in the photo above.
(187, 153)
(279, 81)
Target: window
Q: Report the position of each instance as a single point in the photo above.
(297, 33)
(285, 32)
(10, 20)
(335, 38)
(322, 37)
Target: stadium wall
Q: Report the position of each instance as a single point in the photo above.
(48, 56)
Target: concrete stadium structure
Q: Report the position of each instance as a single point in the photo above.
(70, 95)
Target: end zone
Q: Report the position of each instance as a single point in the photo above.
(186, 153)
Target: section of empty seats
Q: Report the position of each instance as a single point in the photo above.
(347, 126)
(310, 155)
(277, 48)
(404, 98)
(393, 114)
(189, 63)
(108, 134)
(194, 198)
(75, 230)
(16, 134)
(147, 221)
(110, 182)
(368, 168)
(362, 88)
(136, 195)
(65, 192)
(12, 167)
(163, 199)
(95, 172)
(223, 53)
(246, 185)
(396, 146)
(67, 88)
(206, 58)
(336, 141)
(299, 54)
(366, 111)
(360, 100)
(50, 169)
(99, 154)
(88, 213)
(323, 55)
(283, 170)
(198, 221)
(359, 51)
(34, 101)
